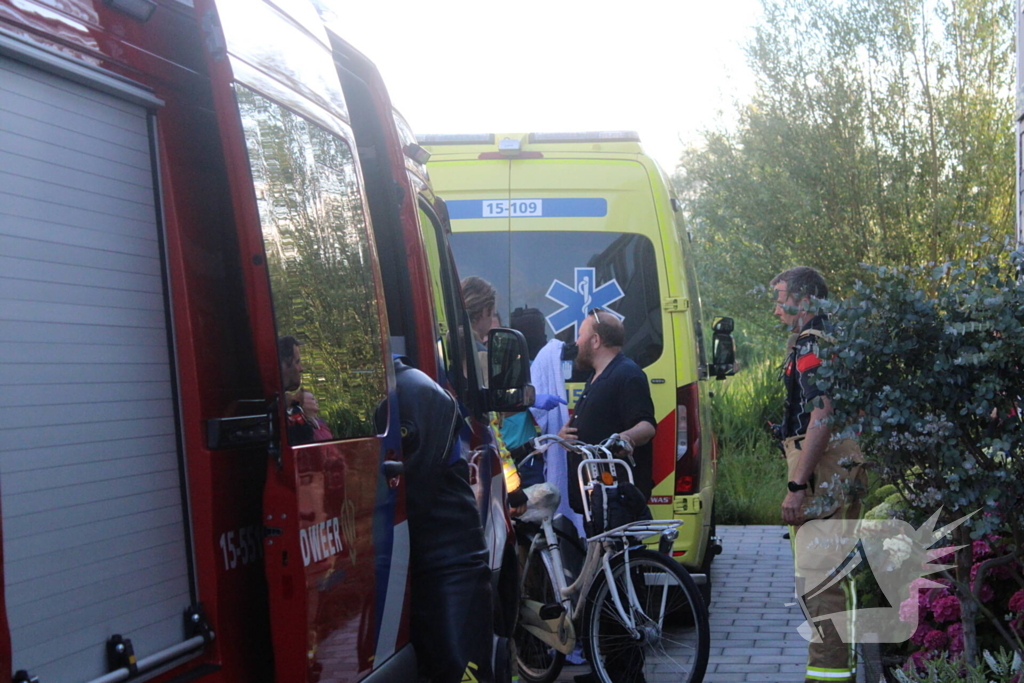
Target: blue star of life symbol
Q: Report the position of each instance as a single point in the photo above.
(579, 300)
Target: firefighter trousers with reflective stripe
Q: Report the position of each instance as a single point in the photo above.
(828, 657)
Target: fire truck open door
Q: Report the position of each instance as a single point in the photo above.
(335, 542)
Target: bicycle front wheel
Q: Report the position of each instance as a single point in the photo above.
(538, 661)
(671, 638)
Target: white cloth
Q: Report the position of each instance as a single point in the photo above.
(546, 374)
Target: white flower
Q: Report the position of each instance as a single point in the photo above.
(899, 549)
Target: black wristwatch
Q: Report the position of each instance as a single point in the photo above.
(794, 487)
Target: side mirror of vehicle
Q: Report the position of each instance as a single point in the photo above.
(723, 349)
(508, 371)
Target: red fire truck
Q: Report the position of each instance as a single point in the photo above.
(183, 189)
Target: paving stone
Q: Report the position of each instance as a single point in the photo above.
(753, 628)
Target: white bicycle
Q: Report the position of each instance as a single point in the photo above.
(639, 614)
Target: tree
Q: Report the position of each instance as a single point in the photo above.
(880, 132)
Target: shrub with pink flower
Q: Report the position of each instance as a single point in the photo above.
(936, 609)
(946, 609)
(955, 633)
(911, 611)
(981, 549)
(1016, 603)
(936, 640)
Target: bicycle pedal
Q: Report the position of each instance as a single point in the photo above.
(552, 611)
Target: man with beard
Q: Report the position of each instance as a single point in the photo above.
(615, 400)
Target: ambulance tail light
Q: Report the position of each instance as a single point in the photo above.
(687, 440)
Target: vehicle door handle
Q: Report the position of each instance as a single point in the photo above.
(393, 468)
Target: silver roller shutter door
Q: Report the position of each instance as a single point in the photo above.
(94, 533)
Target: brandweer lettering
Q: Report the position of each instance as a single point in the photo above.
(320, 541)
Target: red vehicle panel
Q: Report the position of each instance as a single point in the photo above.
(263, 223)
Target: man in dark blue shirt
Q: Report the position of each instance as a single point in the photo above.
(616, 399)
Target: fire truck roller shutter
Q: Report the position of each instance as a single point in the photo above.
(94, 531)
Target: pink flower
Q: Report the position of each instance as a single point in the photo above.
(1002, 572)
(946, 609)
(1016, 603)
(936, 640)
(921, 584)
(923, 630)
(986, 593)
(909, 610)
(981, 550)
(956, 638)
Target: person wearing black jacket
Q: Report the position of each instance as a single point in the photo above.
(615, 400)
(452, 624)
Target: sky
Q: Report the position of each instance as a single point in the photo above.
(664, 68)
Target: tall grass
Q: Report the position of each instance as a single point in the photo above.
(751, 469)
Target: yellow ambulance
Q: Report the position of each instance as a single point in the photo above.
(561, 223)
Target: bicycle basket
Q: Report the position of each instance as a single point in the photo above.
(615, 505)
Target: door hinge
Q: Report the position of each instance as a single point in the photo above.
(675, 304)
(197, 624)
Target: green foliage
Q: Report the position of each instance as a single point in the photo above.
(1003, 667)
(751, 470)
(878, 495)
(927, 369)
(878, 134)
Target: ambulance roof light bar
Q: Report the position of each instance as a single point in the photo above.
(588, 136)
(456, 139)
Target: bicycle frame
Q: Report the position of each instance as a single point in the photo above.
(600, 551)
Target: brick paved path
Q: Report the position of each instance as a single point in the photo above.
(753, 632)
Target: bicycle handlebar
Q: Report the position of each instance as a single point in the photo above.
(601, 451)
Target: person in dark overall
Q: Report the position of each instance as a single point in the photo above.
(615, 400)
(452, 624)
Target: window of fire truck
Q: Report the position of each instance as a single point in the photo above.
(320, 263)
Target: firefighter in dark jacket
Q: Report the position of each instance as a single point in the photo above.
(825, 474)
(452, 622)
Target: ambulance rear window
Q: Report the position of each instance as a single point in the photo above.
(557, 276)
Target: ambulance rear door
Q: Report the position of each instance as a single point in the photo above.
(584, 234)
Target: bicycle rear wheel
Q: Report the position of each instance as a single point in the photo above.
(538, 661)
(664, 650)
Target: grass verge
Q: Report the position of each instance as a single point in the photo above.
(751, 470)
